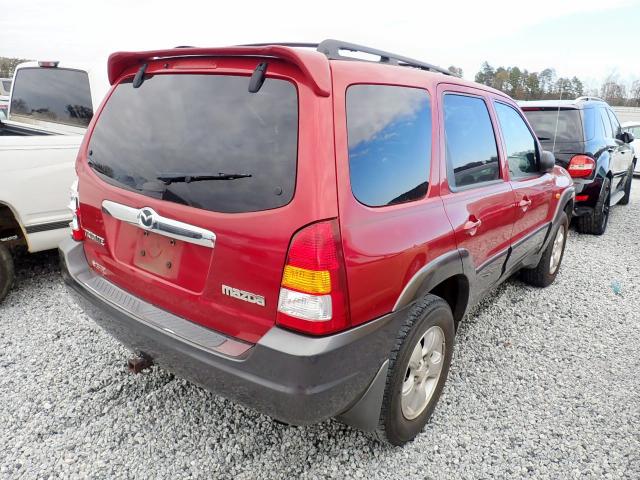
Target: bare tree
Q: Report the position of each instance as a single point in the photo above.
(457, 71)
(8, 65)
(613, 91)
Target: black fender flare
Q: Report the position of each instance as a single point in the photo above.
(456, 263)
(430, 275)
(567, 197)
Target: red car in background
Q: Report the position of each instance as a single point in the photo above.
(304, 231)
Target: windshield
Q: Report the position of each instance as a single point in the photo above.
(201, 125)
(569, 124)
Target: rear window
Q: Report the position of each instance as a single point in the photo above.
(201, 126)
(389, 132)
(6, 85)
(55, 95)
(569, 124)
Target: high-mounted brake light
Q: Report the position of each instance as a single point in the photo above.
(313, 293)
(77, 233)
(581, 166)
(48, 64)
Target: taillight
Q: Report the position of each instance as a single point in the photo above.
(581, 166)
(77, 233)
(313, 293)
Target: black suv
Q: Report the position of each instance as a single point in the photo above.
(587, 140)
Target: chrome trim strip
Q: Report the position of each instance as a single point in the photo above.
(147, 219)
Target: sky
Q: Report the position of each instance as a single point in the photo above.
(587, 38)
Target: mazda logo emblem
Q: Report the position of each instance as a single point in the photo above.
(146, 217)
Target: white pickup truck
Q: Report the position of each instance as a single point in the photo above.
(50, 107)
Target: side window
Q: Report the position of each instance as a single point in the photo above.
(519, 142)
(593, 127)
(614, 123)
(389, 133)
(472, 155)
(606, 123)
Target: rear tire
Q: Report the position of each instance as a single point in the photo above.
(627, 188)
(7, 273)
(543, 274)
(596, 223)
(403, 415)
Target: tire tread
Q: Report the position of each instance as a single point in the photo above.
(423, 305)
(7, 272)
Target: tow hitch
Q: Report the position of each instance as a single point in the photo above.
(138, 363)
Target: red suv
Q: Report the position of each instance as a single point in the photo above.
(301, 231)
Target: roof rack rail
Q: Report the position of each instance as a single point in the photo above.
(586, 98)
(331, 48)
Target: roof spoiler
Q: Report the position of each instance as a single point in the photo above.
(314, 66)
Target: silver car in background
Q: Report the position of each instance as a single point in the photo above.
(634, 129)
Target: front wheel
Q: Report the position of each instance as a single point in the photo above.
(7, 274)
(543, 274)
(418, 368)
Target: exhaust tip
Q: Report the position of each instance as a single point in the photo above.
(138, 363)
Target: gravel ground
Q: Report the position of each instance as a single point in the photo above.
(544, 384)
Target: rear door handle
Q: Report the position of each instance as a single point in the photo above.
(524, 204)
(471, 226)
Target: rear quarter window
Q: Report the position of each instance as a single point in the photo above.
(389, 135)
(56, 95)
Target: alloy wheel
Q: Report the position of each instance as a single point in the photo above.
(556, 250)
(423, 372)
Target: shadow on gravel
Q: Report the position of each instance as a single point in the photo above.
(28, 265)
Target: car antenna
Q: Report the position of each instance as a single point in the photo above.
(139, 78)
(257, 77)
(555, 134)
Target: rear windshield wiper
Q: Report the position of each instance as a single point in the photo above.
(169, 178)
(100, 168)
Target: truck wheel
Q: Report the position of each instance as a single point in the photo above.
(418, 368)
(596, 223)
(627, 188)
(7, 274)
(543, 274)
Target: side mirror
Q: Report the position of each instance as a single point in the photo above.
(547, 161)
(626, 137)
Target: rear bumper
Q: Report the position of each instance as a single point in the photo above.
(587, 194)
(294, 378)
(581, 210)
